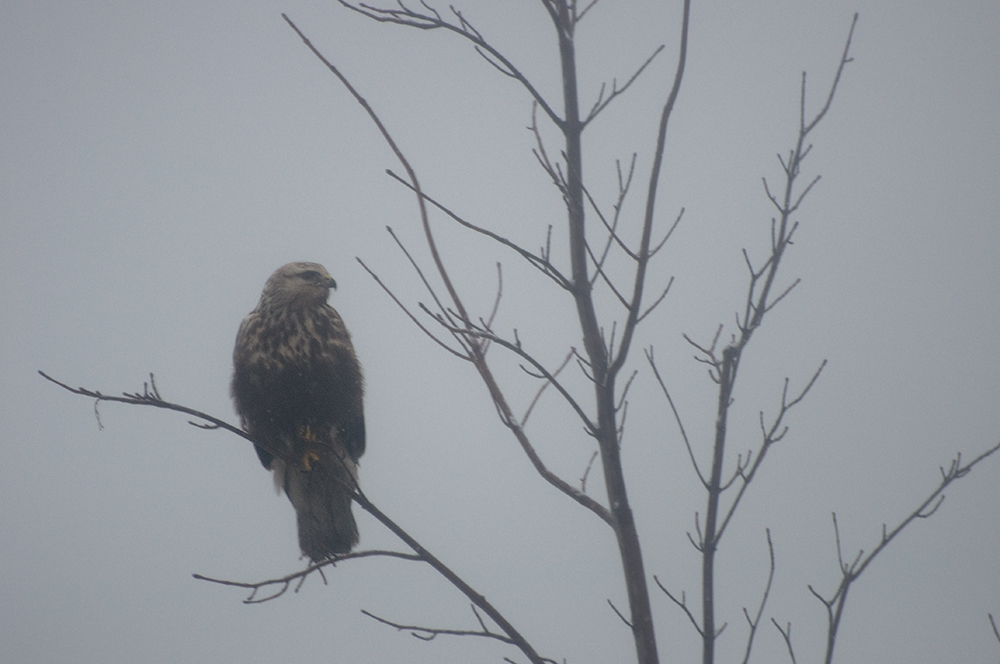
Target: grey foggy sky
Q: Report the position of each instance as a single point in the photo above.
(161, 159)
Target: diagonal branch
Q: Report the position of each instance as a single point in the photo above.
(445, 571)
(399, 155)
(786, 634)
(854, 569)
(429, 633)
(413, 318)
(475, 350)
(516, 348)
(647, 227)
(433, 20)
(771, 436)
(844, 59)
(278, 587)
(677, 417)
(538, 395)
(755, 621)
(150, 397)
(540, 262)
(602, 103)
(420, 273)
(682, 603)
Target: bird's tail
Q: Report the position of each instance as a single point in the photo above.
(320, 489)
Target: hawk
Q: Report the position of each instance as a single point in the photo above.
(298, 390)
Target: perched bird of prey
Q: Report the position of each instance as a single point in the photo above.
(298, 389)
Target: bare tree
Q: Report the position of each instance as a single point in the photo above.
(594, 234)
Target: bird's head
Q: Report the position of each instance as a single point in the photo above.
(297, 284)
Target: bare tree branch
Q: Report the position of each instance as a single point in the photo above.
(445, 571)
(844, 59)
(413, 318)
(280, 586)
(657, 301)
(619, 614)
(433, 20)
(725, 370)
(542, 156)
(682, 603)
(612, 228)
(150, 397)
(517, 348)
(786, 634)
(538, 394)
(677, 417)
(755, 621)
(540, 262)
(586, 472)
(429, 633)
(442, 309)
(647, 227)
(475, 351)
(771, 436)
(602, 103)
(579, 17)
(854, 569)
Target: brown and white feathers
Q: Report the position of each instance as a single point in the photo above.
(298, 389)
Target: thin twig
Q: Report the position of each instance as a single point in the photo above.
(413, 318)
(408, 17)
(429, 633)
(283, 583)
(786, 634)
(539, 262)
(635, 308)
(538, 394)
(677, 417)
(755, 621)
(600, 105)
(851, 571)
(682, 603)
(473, 596)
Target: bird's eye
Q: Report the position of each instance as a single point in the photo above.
(310, 275)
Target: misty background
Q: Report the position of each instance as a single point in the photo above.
(160, 160)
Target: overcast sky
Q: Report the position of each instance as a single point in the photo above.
(160, 160)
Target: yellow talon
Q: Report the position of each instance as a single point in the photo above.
(306, 434)
(307, 457)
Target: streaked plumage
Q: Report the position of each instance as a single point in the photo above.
(298, 389)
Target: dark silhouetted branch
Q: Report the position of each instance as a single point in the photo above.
(433, 20)
(643, 253)
(413, 318)
(786, 634)
(602, 103)
(850, 571)
(755, 621)
(724, 370)
(677, 417)
(682, 603)
(151, 397)
(430, 633)
(538, 394)
(280, 586)
(540, 262)
(512, 635)
(771, 436)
